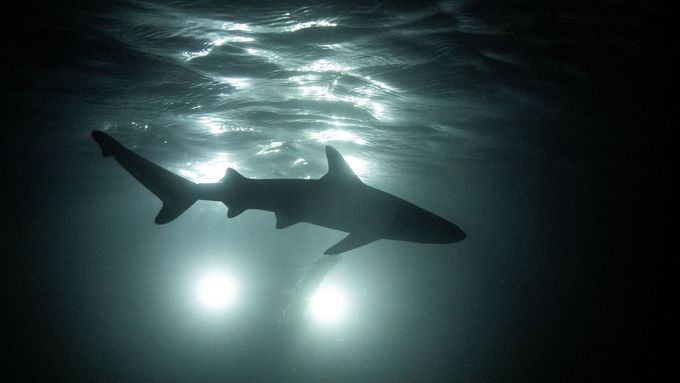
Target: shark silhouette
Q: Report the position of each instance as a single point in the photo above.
(338, 200)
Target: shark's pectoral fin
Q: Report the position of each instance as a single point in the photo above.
(283, 221)
(351, 241)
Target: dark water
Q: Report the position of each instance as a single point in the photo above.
(517, 121)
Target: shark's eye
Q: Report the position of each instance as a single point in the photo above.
(216, 291)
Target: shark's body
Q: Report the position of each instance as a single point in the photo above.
(339, 200)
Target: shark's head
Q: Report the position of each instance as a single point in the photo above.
(426, 227)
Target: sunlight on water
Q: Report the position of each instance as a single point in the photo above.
(267, 55)
(312, 24)
(273, 147)
(216, 40)
(304, 79)
(337, 135)
(325, 65)
(360, 166)
(208, 171)
(188, 56)
(325, 92)
(231, 39)
(238, 83)
(335, 47)
(213, 124)
(380, 85)
(229, 26)
(326, 87)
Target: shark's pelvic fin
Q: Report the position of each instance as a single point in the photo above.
(338, 168)
(283, 221)
(177, 193)
(351, 241)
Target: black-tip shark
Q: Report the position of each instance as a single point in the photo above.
(338, 200)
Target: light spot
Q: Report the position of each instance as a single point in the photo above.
(213, 124)
(208, 171)
(231, 39)
(229, 26)
(272, 147)
(328, 305)
(312, 24)
(216, 291)
(359, 166)
(325, 65)
(238, 83)
(188, 56)
(337, 135)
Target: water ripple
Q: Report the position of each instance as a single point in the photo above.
(242, 80)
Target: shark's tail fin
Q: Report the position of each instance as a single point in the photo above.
(108, 145)
(177, 193)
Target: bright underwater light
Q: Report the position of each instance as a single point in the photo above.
(328, 305)
(216, 291)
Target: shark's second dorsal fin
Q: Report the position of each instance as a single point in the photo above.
(338, 168)
(232, 175)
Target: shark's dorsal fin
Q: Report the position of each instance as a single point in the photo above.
(351, 241)
(232, 175)
(338, 168)
(283, 221)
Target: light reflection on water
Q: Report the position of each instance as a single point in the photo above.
(360, 166)
(208, 171)
(306, 77)
(311, 24)
(329, 135)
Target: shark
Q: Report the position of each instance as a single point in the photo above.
(339, 200)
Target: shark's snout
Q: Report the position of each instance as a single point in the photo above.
(456, 234)
(425, 227)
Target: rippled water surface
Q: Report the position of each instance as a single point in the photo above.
(263, 89)
(494, 115)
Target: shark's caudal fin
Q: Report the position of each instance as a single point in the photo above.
(177, 193)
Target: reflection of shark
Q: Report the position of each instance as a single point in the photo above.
(339, 200)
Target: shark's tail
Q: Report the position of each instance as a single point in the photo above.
(177, 193)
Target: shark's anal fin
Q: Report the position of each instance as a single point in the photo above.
(283, 221)
(351, 241)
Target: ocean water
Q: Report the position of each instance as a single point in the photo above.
(494, 115)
